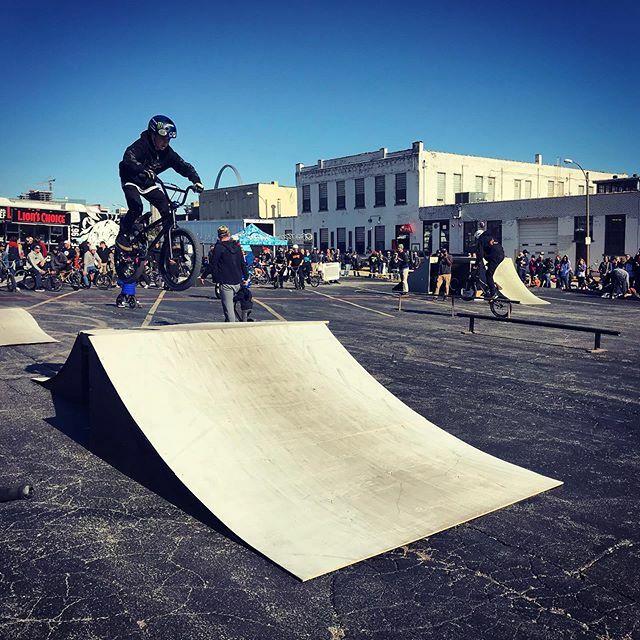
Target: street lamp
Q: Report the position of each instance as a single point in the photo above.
(587, 234)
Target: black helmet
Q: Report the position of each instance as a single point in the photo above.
(163, 126)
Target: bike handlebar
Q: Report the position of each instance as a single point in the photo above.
(174, 188)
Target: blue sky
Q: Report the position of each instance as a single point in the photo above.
(263, 85)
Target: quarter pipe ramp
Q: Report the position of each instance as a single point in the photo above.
(317, 465)
(18, 326)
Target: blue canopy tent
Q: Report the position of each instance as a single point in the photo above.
(252, 236)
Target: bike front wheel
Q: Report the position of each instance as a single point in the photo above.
(180, 259)
(500, 308)
(315, 280)
(103, 281)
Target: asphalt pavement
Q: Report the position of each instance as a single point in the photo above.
(95, 554)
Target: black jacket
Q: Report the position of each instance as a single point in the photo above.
(142, 155)
(228, 265)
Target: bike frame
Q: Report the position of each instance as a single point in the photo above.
(174, 205)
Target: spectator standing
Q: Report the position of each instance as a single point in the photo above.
(15, 254)
(104, 253)
(522, 264)
(445, 263)
(564, 272)
(373, 264)
(404, 263)
(581, 274)
(229, 269)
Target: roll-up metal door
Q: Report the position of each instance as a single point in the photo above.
(538, 234)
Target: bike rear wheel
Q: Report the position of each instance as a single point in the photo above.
(29, 282)
(315, 280)
(75, 280)
(103, 281)
(180, 259)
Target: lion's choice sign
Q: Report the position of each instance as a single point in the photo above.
(35, 216)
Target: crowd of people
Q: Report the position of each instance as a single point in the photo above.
(33, 256)
(617, 276)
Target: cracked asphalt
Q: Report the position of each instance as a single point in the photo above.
(97, 555)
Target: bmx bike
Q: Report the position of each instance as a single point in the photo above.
(177, 251)
(7, 279)
(500, 306)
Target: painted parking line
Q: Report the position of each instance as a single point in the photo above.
(39, 304)
(353, 304)
(147, 321)
(270, 310)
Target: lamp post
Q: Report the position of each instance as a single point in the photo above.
(587, 234)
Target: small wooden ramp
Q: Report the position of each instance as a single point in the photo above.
(315, 465)
(18, 326)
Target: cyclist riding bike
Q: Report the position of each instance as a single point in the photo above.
(143, 160)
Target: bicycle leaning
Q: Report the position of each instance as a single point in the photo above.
(499, 305)
(178, 251)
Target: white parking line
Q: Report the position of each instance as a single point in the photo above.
(353, 304)
(270, 310)
(147, 321)
(64, 295)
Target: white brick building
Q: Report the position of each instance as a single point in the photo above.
(372, 200)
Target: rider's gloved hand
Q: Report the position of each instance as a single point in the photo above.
(150, 174)
(198, 187)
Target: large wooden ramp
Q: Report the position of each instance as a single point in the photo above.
(18, 326)
(284, 437)
(510, 285)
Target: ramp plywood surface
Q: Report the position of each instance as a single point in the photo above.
(316, 465)
(18, 326)
(510, 285)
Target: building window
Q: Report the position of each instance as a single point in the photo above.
(322, 196)
(479, 184)
(457, 183)
(517, 189)
(380, 241)
(549, 188)
(288, 234)
(441, 186)
(359, 193)
(580, 228)
(306, 198)
(494, 228)
(380, 192)
(332, 244)
(470, 229)
(527, 188)
(401, 188)
(324, 238)
(341, 202)
(350, 243)
(580, 189)
(360, 247)
(341, 239)
(435, 229)
(560, 188)
(307, 238)
(491, 188)
(315, 238)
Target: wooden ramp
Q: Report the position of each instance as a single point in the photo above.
(510, 285)
(18, 326)
(315, 465)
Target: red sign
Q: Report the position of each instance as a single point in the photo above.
(38, 216)
(406, 228)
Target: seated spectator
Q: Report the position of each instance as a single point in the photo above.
(91, 264)
(35, 264)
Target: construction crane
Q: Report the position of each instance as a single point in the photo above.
(50, 182)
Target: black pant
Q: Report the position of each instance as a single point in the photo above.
(155, 197)
(491, 269)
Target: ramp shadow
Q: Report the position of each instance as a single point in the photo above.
(107, 430)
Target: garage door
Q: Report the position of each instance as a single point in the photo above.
(538, 234)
